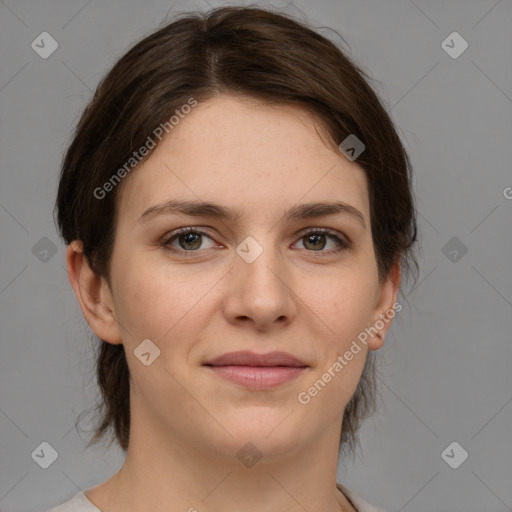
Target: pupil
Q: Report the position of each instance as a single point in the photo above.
(188, 240)
(315, 237)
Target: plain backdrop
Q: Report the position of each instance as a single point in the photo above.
(445, 370)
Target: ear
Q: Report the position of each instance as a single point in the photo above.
(385, 307)
(93, 294)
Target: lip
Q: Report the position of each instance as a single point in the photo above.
(257, 371)
(246, 358)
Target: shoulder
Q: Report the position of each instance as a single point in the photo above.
(81, 504)
(77, 504)
(359, 504)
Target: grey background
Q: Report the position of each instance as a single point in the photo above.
(445, 369)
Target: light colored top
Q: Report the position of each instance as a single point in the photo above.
(80, 503)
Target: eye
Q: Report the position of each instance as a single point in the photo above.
(189, 239)
(317, 239)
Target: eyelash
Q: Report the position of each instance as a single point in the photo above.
(343, 242)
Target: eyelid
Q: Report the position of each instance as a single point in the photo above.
(302, 232)
(344, 243)
(324, 231)
(181, 231)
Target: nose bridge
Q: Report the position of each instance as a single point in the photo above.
(259, 276)
(258, 260)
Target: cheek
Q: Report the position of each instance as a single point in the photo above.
(343, 302)
(154, 303)
(350, 310)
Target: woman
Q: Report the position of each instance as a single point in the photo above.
(238, 213)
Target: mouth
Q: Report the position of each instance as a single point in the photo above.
(257, 371)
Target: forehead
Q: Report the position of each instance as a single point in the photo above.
(246, 154)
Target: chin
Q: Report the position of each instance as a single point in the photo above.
(272, 434)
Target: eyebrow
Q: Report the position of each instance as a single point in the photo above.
(209, 209)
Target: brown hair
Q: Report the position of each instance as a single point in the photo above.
(245, 51)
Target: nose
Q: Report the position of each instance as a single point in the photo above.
(260, 293)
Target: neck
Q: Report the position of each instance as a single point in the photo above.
(162, 471)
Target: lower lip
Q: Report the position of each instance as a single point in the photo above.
(258, 377)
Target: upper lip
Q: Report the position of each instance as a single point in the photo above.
(246, 358)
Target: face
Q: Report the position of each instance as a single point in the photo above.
(259, 281)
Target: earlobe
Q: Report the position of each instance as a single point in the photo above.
(386, 307)
(93, 295)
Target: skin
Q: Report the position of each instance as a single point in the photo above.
(188, 424)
